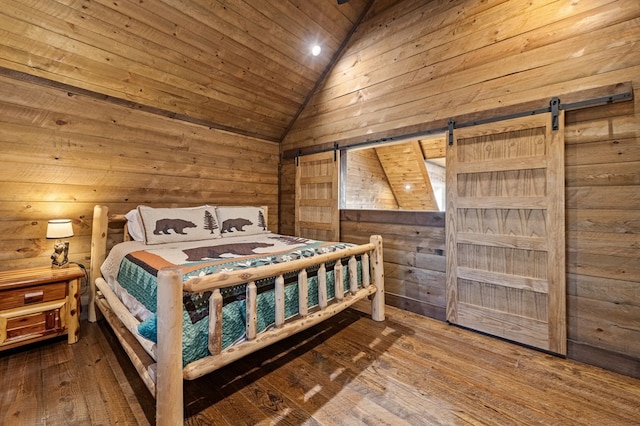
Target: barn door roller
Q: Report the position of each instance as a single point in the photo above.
(452, 123)
(554, 105)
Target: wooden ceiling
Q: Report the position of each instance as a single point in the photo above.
(239, 65)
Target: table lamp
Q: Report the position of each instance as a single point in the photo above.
(57, 229)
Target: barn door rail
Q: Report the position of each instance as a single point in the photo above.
(555, 106)
(613, 93)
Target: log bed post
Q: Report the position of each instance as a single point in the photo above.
(98, 253)
(377, 270)
(169, 383)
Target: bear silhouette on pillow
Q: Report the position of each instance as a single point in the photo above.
(238, 224)
(163, 226)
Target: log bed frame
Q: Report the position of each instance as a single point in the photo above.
(164, 374)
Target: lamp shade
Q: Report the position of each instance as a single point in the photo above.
(59, 228)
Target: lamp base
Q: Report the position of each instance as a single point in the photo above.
(59, 258)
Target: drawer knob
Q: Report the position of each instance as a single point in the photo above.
(33, 297)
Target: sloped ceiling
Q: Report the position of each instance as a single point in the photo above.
(243, 65)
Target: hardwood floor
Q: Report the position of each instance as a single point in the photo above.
(349, 370)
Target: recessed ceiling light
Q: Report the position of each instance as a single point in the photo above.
(407, 186)
(315, 51)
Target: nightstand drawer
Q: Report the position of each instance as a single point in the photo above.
(33, 322)
(39, 323)
(32, 295)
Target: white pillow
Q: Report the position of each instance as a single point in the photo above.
(134, 225)
(170, 225)
(236, 221)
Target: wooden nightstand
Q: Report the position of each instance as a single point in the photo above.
(39, 303)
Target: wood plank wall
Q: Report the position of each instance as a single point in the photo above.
(414, 262)
(413, 62)
(602, 172)
(241, 66)
(367, 186)
(63, 153)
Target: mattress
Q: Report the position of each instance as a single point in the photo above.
(131, 271)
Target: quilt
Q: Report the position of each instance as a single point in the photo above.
(138, 269)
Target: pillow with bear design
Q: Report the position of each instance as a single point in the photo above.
(236, 221)
(172, 225)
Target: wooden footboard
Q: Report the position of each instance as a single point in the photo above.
(169, 372)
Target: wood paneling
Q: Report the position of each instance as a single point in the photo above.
(413, 63)
(243, 66)
(414, 262)
(420, 62)
(63, 153)
(367, 186)
(603, 233)
(406, 171)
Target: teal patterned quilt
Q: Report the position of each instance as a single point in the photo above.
(138, 272)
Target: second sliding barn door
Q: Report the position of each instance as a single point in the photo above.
(317, 196)
(505, 231)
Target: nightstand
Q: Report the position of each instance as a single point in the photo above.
(39, 303)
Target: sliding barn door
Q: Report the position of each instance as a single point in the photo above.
(505, 231)
(317, 196)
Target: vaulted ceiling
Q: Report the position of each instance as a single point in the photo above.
(239, 65)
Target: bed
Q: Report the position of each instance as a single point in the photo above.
(218, 274)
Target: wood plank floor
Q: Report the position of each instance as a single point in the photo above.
(350, 370)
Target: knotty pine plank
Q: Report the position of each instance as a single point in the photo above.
(85, 147)
(192, 39)
(408, 368)
(108, 27)
(64, 402)
(24, 171)
(193, 56)
(616, 174)
(612, 244)
(606, 128)
(122, 198)
(605, 290)
(21, 394)
(416, 306)
(282, 29)
(103, 65)
(326, 16)
(410, 358)
(481, 40)
(602, 197)
(154, 95)
(466, 99)
(79, 115)
(423, 245)
(603, 334)
(412, 14)
(612, 220)
(432, 293)
(123, 400)
(417, 231)
(238, 38)
(603, 265)
(515, 83)
(622, 316)
(500, 358)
